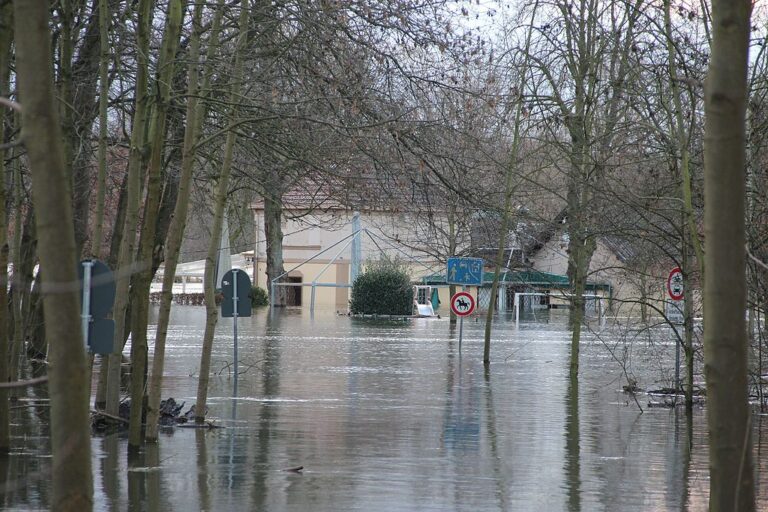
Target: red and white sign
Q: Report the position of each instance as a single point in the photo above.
(675, 284)
(462, 304)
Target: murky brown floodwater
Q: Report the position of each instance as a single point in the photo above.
(390, 416)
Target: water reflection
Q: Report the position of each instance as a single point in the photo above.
(110, 476)
(572, 445)
(393, 416)
(203, 480)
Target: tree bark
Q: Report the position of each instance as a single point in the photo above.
(143, 277)
(68, 383)
(222, 188)
(725, 338)
(273, 232)
(98, 231)
(6, 36)
(509, 191)
(195, 112)
(135, 158)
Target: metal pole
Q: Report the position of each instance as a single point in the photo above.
(85, 314)
(677, 362)
(234, 317)
(517, 308)
(312, 301)
(461, 331)
(354, 269)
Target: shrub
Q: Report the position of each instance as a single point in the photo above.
(383, 289)
(259, 297)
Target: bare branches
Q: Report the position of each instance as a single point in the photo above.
(24, 383)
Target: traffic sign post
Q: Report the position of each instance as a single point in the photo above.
(462, 304)
(674, 311)
(236, 288)
(97, 294)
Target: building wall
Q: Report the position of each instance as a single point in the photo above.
(629, 286)
(325, 238)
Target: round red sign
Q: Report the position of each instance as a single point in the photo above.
(462, 304)
(675, 284)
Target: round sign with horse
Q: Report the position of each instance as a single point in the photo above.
(462, 304)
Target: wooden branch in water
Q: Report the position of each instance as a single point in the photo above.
(207, 424)
(109, 416)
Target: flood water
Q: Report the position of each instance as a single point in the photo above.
(395, 416)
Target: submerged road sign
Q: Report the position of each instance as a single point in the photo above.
(465, 271)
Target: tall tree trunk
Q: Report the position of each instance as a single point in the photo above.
(68, 383)
(682, 140)
(125, 258)
(509, 191)
(273, 233)
(222, 188)
(725, 338)
(19, 285)
(6, 36)
(581, 243)
(195, 112)
(452, 246)
(143, 277)
(98, 231)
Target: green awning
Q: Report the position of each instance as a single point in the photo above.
(522, 278)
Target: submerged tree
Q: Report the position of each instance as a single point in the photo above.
(68, 372)
(725, 340)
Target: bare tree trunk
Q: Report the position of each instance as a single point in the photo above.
(452, 246)
(509, 191)
(68, 383)
(725, 338)
(218, 219)
(143, 278)
(20, 285)
(98, 232)
(6, 36)
(125, 259)
(273, 232)
(195, 112)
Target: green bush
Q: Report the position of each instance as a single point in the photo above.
(259, 297)
(383, 289)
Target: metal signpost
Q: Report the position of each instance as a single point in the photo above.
(462, 304)
(97, 294)
(466, 272)
(236, 288)
(674, 312)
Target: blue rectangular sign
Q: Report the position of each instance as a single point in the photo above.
(465, 271)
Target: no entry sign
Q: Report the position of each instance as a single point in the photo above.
(675, 284)
(462, 304)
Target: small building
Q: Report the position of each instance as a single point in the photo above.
(324, 249)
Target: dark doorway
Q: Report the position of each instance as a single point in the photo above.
(293, 297)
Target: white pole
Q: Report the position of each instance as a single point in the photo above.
(517, 307)
(234, 317)
(85, 314)
(312, 300)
